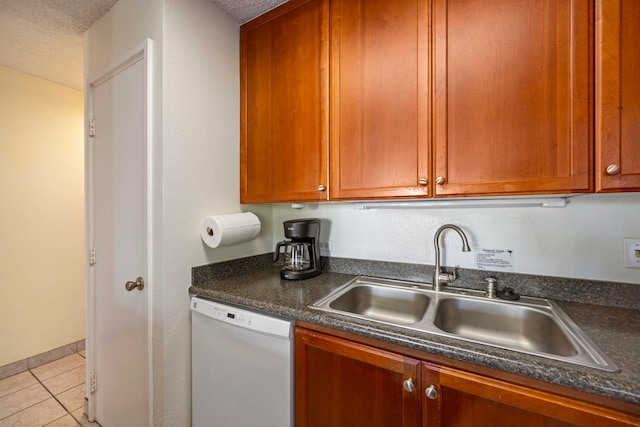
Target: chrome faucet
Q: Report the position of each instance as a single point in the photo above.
(440, 278)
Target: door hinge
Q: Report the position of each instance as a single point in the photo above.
(92, 127)
(92, 256)
(93, 383)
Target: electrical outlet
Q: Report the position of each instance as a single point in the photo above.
(632, 253)
(325, 247)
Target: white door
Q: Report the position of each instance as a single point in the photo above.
(118, 320)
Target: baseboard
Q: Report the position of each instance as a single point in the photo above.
(40, 359)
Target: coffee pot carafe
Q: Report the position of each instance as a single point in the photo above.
(302, 252)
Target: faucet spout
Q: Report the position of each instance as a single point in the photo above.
(440, 278)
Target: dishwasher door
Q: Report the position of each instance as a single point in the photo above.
(242, 367)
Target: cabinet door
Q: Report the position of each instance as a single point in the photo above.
(618, 96)
(465, 399)
(379, 99)
(284, 100)
(341, 383)
(512, 88)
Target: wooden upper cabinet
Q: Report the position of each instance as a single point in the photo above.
(284, 104)
(512, 97)
(618, 95)
(379, 110)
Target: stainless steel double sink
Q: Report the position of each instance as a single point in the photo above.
(530, 325)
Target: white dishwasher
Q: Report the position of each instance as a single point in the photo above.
(242, 367)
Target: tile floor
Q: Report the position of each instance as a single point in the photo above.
(50, 395)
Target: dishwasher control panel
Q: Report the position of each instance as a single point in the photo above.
(242, 318)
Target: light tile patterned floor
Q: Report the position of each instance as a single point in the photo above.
(50, 395)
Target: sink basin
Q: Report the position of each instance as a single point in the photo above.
(531, 325)
(394, 305)
(504, 325)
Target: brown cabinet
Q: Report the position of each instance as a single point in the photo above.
(380, 144)
(512, 96)
(340, 382)
(460, 398)
(617, 95)
(284, 104)
(382, 99)
(511, 91)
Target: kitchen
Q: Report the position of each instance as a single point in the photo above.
(359, 233)
(196, 127)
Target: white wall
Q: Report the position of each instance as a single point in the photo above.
(201, 170)
(41, 211)
(583, 240)
(196, 169)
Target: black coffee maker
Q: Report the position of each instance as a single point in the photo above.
(302, 252)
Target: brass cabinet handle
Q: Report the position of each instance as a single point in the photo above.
(423, 181)
(321, 188)
(440, 180)
(139, 283)
(613, 169)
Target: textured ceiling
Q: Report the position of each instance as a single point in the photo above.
(245, 10)
(44, 38)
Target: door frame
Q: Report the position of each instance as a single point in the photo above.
(142, 52)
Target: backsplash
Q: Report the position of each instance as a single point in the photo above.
(584, 240)
(622, 295)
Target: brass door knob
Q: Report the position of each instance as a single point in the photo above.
(440, 180)
(139, 283)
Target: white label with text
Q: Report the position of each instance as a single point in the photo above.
(494, 259)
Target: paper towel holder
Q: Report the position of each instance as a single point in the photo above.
(229, 229)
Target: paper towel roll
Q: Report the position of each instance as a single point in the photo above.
(225, 230)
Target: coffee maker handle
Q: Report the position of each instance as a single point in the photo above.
(276, 254)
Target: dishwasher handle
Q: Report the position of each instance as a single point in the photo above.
(243, 318)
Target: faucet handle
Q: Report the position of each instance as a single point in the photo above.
(446, 278)
(453, 275)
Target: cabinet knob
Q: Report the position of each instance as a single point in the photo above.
(321, 188)
(423, 181)
(431, 392)
(408, 385)
(440, 180)
(613, 169)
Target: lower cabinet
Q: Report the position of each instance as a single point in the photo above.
(459, 398)
(340, 382)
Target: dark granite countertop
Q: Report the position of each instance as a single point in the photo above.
(614, 330)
